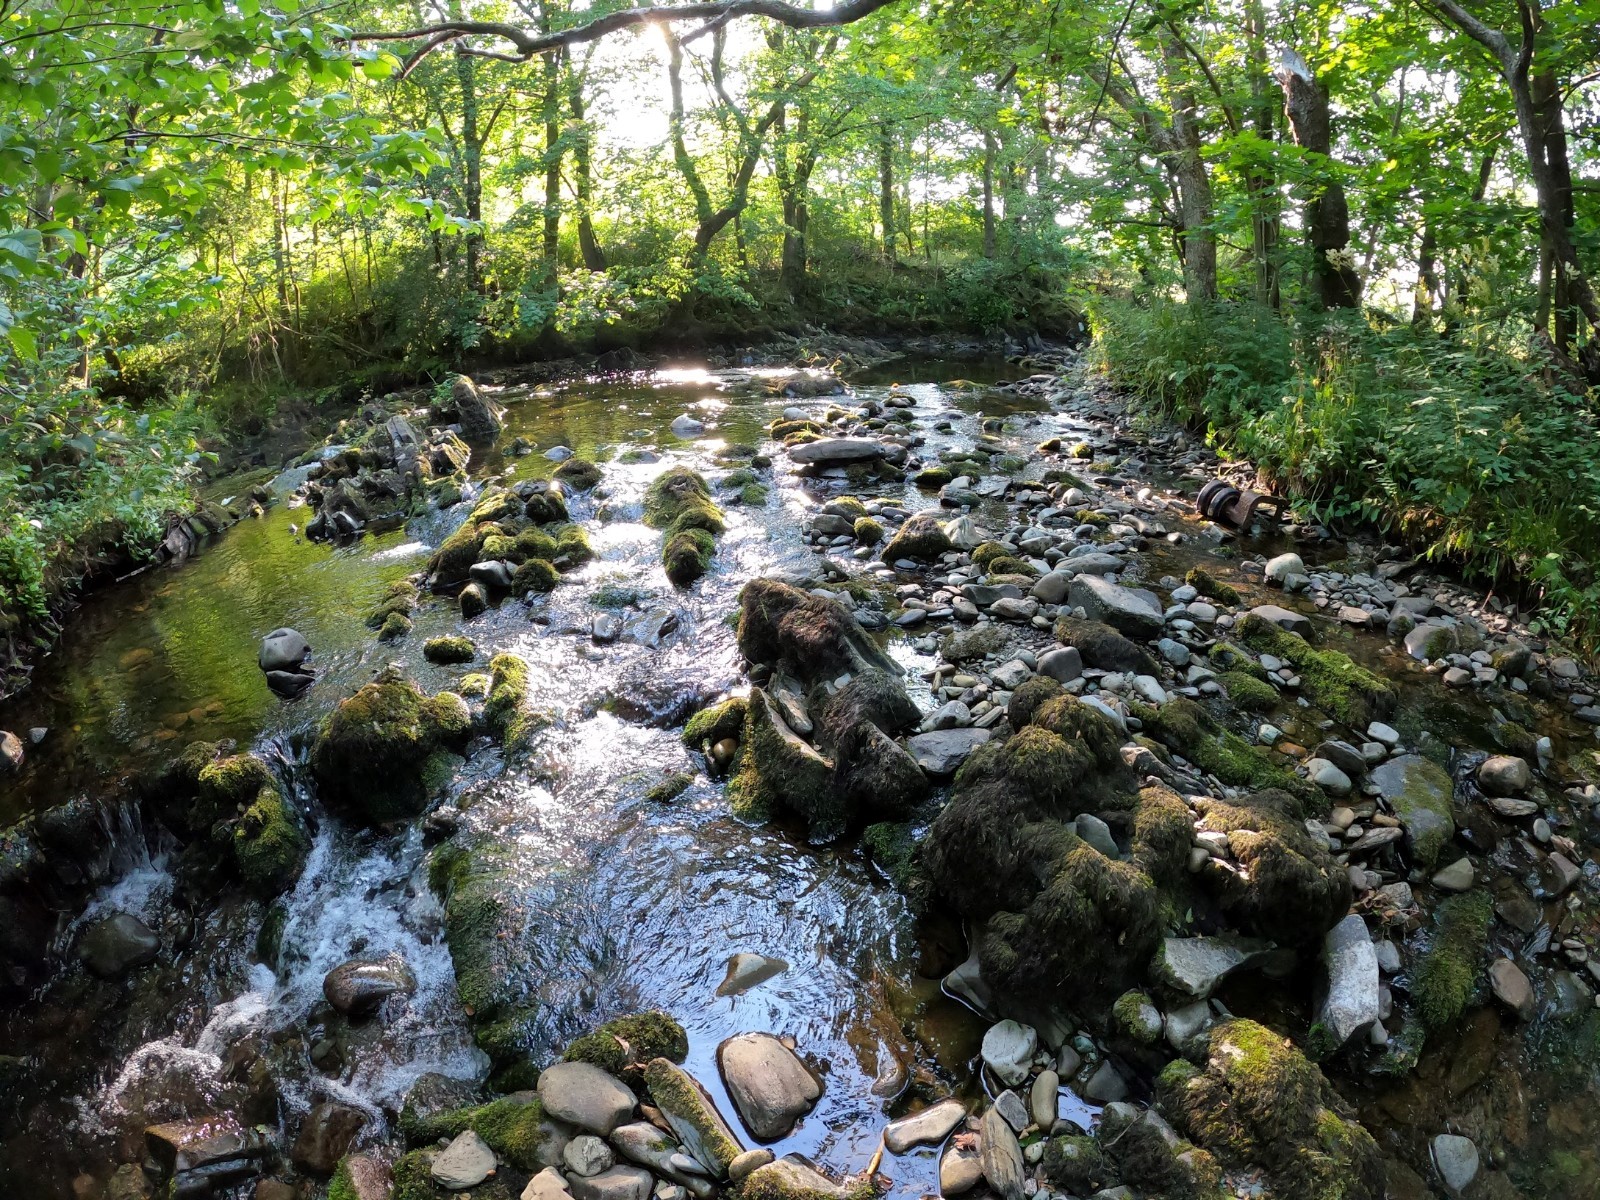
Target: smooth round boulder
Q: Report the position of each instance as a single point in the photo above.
(1504, 775)
(359, 986)
(117, 944)
(582, 1094)
(769, 1085)
(464, 1164)
(1008, 1050)
(283, 650)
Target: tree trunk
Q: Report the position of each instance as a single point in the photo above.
(989, 149)
(472, 167)
(554, 152)
(1327, 212)
(1260, 179)
(1427, 279)
(886, 190)
(794, 186)
(1194, 182)
(594, 257)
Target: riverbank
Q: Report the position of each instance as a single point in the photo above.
(1170, 812)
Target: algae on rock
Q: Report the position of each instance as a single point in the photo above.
(372, 749)
(1329, 679)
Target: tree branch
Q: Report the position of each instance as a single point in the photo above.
(527, 44)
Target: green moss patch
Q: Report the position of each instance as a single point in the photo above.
(449, 650)
(370, 753)
(1448, 972)
(1329, 679)
(624, 1046)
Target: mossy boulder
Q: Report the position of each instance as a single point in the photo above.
(269, 845)
(776, 771)
(868, 532)
(1258, 1102)
(1059, 918)
(810, 636)
(572, 547)
(509, 710)
(534, 576)
(931, 479)
(692, 1115)
(715, 723)
(1329, 679)
(920, 539)
(686, 555)
(578, 473)
(874, 774)
(624, 1046)
(1103, 648)
(1283, 885)
(449, 650)
(1449, 969)
(400, 600)
(1006, 565)
(395, 626)
(456, 554)
(892, 846)
(547, 504)
(515, 1127)
(370, 753)
(1186, 728)
(1075, 1164)
(531, 543)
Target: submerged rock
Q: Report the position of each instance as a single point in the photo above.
(117, 944)
(927, 1127)
(200, 1155)
(325, 1134)
(746, 970)
(767, 1082)
(360, 986)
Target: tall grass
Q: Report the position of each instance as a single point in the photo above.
(1457, 446)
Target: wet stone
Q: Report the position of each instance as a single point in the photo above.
(1008, 1050)
(927, 1127)
(464, 1163)
(117, 944)
(619, 1183)
(583, 1095)
(359, 986)
(767, 1082)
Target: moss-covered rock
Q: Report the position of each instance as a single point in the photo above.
(1259, 1102)
(874, 774)
(1187, 729)
(578, 473)
(269, 845)
(1137, 1018)
(920, 538)
(892, 846)
(531, 543)
(1330, 680)
(400, 600)
(1449, 969)
(931, 479)
(534, 576)
(1027, 699)
(509, 710)
(810, 636)
(1075, 1164)
(370, 752)
(572, 547)
(449, 650)
(473, 600)
(678, 498)
(547, 504)
(1059, 918)
(1248, 693)
(686, 555)
(692, 1115)
(716, 722)
(1103, 648)
(669, 787)
(1210, 587)
(515, 1128)
(456, 554)
(624, 1046)
(776, 772)
(1285, 886)
(1006, 565)
(868, 532)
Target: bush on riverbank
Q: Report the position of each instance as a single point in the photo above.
(1457, 446)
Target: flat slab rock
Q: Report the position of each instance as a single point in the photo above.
(831, 450)
(767, 1082)
(1195, 966)
(927, 1127)
(1352, 1002)
(943, 751)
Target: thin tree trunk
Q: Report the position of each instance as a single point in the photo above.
(1263, 185)
(472, 167)
(550, 248)
(1427, 279)
(989, 149)
(1327, 212)
(886, 191)
(594, 257)
(1194, 182)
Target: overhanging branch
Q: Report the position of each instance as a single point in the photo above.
(527, 44)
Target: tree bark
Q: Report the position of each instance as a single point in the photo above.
(554, 152)
(1265, 218)
(989, 151)
(1199, 240)
(886, 190)
(472, 168)
(1327, 212)
(1427, 279)
(594, 257)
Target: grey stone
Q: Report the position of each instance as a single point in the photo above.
(1328, 777)
(1282, 566)
(359, 986)
(939, 753)
(959, 1171)
(582, 1094)
(1196, 966)
(1504, 775)
(1002, 1156)
(1456, 1159)
(1063, 664)
(1117, 606)
(1419, 791)
(1352, 1001)
(1106, 1085)
(587, 1155)
(464, 1164)
(747, 1163)
(1457, 877)
(1010, 1106)
(767, 1082)
(1098, 834)
(1043, 1098)
(619, 1183)
(1008, 1050)
(283, 650)
(838, 450)
(1283, 618)
(117, 944)
(1511, 988)
(548, 1184)
(686, 426)
(1182, 1025)
(926, 1127)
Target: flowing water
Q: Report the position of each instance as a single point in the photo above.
(629, 903)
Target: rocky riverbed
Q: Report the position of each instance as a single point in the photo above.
(792, 786)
